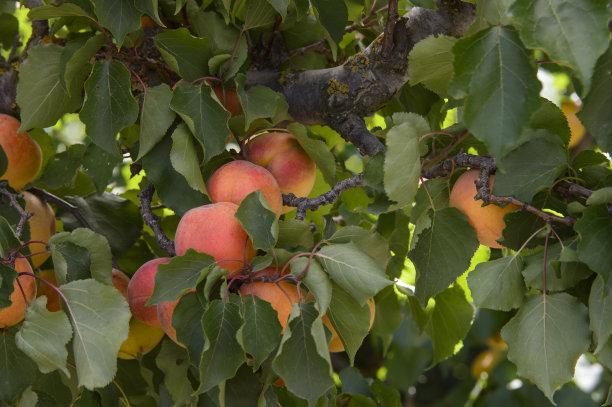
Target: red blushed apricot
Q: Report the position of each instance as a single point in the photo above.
(233, 181)
(22, 152)
(281, 296)
(14, 313)
(140, 289)
(229, 99)
(282, 155)
(487, 221)
(165, 310)
(42, 227)
(214, 229)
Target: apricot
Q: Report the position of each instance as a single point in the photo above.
(335, 344)
(487, 221)
(23, 154)
(14, 313)
(53, 299)
(281, 296)
(42, 227)
(142, 338)
(214, 229)
(577, 130)
(140, 289)
(282, 155)
(165, 310)
(233, 181)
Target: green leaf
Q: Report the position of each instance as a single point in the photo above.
(528, 170)
(150, 8)
(171, 187)
(350, 320)
(118, 219)
(494, 71)
(303, 359)
(75, 58)
(40, 95)
(187, 55)
(520, 226)
(402, 161)
(222, 355)
(294, 233)
(545, 339)
(570, 32)
(280, 6)
(371, 243)
(259, 14)
(62, 167)
(52, 391)
(389, 316)
(44, 335)
(260, 102)
(120, 17)
(550, 117)
(431, 63)
(9, 27)
(187, 321)
(260, 332)
(318, 151)
(600, 196)
(442, 252)
(204, 116)
(17, 370)
(109, 105)
(65, 10)
(498, 284)
(561, 273)
(315, 279)
(446, 320)
(99, 166)
(600, 312)
(180, 275)
(174, 365)
(333, 16)
(99, 254)
(7, 285)
(184, 158)
(258, 220)
(156, 117)
(100, 323)
(8, 238)
(353, 270)
(596, 105)
(595, 247)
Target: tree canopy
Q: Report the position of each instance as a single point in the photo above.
(319, 203)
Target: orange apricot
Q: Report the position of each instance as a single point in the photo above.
(281, 296)
(15, 313)
(140, 289)
(42, 227)
(23, 154)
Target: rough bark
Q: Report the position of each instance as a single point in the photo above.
(341, 96)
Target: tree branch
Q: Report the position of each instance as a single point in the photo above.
(13, 201)
(152, 220)
(341, 96)
(304, 204)
(46, 196)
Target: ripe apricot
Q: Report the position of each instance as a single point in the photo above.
(233, 181)
(281, 154)
(142, 338)
(42, 227)
(165, 311)
(140, 289)
(22, 152)
(214, 229)
(229, 99)
(281, 296)
(14, 313)
(121, 282)
(53, 299)
(335, 344)
(487, 221)
(577, 130)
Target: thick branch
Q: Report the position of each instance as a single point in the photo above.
(152, 220)
(304, 204)
(367, 80)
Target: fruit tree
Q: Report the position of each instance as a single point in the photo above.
(291, 203)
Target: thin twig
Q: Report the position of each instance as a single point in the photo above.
(23, 214)
(46, 196)
(304, 204)
(152, 220)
